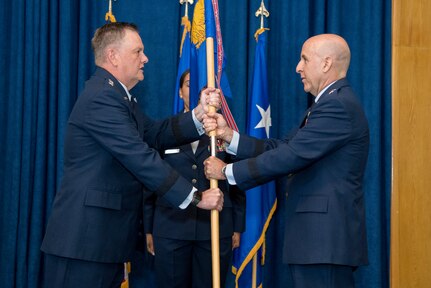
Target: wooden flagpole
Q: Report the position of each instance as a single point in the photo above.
(215, 239)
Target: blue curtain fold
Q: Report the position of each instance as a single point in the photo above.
(46, 58)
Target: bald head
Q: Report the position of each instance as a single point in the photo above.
(334, 47)
(325, 58)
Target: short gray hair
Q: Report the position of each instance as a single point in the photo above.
(108, 34)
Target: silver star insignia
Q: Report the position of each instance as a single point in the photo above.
(265, 122)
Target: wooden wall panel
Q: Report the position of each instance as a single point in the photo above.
(411, 143)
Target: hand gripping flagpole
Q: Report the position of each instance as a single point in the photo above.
(215, 241)
(211, 78)
(215, 225)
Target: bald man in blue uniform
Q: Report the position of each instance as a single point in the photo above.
(324, 159)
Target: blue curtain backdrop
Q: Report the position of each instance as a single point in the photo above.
(46, 58)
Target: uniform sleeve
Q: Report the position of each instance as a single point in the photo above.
(171, 132)
(328, 128)
(109, 121)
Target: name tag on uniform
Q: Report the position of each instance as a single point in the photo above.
(172, 151)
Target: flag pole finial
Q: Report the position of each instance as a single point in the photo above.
(187, 2)
(262, 12)
(109, 16)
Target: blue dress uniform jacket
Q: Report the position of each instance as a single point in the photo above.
(192, 223)
(325, 160)
(109, 156)
(182, 238)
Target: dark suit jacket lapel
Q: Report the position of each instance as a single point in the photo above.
(134, 111)
(187, 149)
(137, 115)
(304, 118)
(337, 85)
(203, 146)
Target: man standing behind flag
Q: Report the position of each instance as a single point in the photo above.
(324, 159)
(109, 157)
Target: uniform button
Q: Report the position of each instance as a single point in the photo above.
(194, 167)
(194, 181)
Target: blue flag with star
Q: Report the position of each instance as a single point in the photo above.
(261, 201)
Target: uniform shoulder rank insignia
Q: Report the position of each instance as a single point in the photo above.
(332, 91)
(110, 82)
